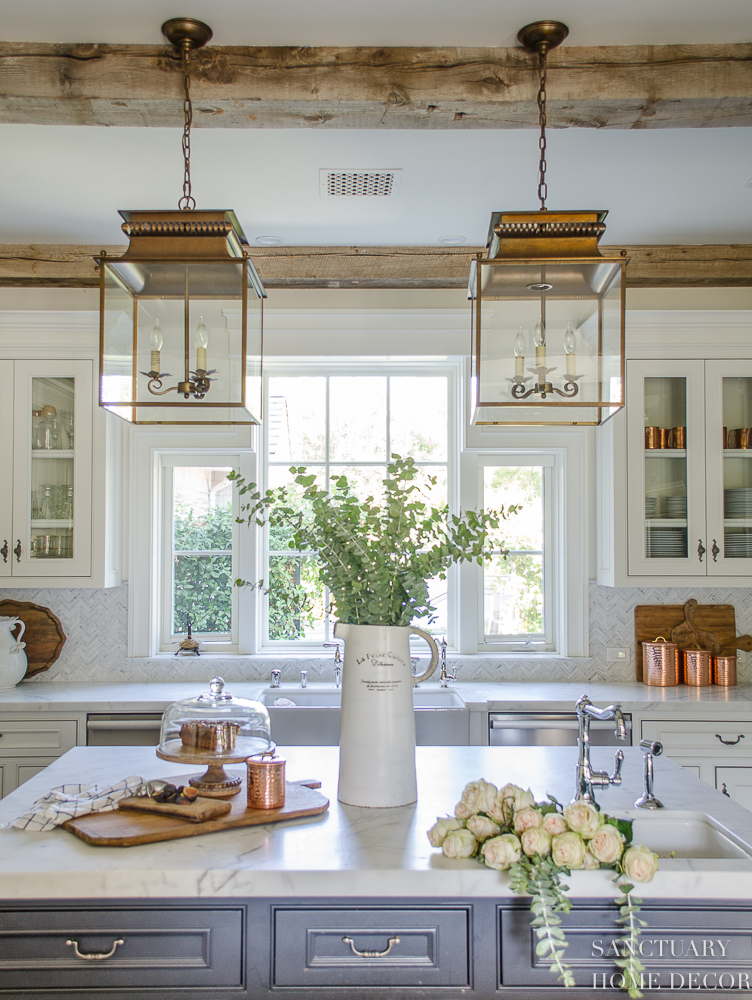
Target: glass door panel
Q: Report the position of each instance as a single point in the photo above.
(665, 477)
(736, 437)
(52, 445)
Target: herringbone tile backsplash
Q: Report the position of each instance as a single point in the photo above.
(95, 622)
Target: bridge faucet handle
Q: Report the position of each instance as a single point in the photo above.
(615, 778)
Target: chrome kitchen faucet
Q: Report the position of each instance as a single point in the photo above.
(587, 778)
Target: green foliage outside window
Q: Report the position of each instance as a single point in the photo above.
(203, 583)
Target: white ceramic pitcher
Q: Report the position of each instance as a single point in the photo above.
(12, 657)
(377, 722)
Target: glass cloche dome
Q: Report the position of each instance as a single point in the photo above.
(215, 725)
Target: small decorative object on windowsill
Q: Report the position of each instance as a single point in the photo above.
(538, 843)
(188, 644)
(185, 295)
(547, 308)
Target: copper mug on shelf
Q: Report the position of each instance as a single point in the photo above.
(678, 437)
(724, 443)
(724, 671)
(741, 437)
(653, 437)
(697, 671)
(660, 663)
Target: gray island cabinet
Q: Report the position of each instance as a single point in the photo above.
(356, 902)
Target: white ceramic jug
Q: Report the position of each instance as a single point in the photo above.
(12, 656)
(377, 722)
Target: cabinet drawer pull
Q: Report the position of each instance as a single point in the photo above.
(729, 743)
(724, 790)
(17, 551)
(96, 956)
(4, 551)
(700, 550)
(715, 550)
(372, 954)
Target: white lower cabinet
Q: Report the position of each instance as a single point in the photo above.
(28, 745)
(719, 753)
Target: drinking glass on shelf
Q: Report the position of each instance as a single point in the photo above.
(66, 417)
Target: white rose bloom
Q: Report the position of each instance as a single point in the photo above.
(535, 840)
(482, 827)
(479, 796)
(438, 832)
(459, 844)
(501, 852)
(640, 864)
(520, 799)
(527, 819)
(589, 863)
(583, 818)
(554, 823)
(463, 812)
(568, 850)
(607, 845)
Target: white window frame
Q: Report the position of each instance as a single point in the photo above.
(451, 369)
(517, 644)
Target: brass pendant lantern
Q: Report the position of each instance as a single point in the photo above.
(181, 312)
(547, 308)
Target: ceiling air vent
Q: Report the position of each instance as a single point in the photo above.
(359, 183)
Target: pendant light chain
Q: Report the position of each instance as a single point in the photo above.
(187, 202)
(542, 186)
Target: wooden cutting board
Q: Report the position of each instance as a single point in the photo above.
(653, 620)
(127, 828)
(44, 636)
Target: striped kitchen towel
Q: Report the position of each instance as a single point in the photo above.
(68, 801)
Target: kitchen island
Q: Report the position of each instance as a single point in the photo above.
(264, 911)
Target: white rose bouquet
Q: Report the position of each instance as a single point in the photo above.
(539, 842)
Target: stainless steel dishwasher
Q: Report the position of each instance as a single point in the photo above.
(123, 729)
(549, 729)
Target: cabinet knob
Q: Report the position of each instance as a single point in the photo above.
(724, 790)
(4, 551)
(17, 551)
(700, 550)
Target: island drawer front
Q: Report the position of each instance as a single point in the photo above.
(710, 941)
(49, 737)
(161, 947)
(717, 737)
(398, 947)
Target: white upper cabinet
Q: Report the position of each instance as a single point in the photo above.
(674, 476)
(54, 501)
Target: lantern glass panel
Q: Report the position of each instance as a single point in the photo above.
(547, 321)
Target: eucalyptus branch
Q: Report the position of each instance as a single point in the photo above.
(630, 965)
(540, 878)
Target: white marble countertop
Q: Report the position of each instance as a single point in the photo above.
(502, 696)
(348, 851)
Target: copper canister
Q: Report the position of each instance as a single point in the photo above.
(266, 781)
(660, 663)
(697, 671)
(724, 671)
(665, 437)
(653, 437)
(678, 437)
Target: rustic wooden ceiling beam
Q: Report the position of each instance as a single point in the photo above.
(618, 87)
(661, 266)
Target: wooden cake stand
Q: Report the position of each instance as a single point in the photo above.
(214, 782)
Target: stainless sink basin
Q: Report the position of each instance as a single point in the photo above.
(680, 834)
(313, 719)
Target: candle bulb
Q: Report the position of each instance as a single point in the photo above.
(519, 353)
(202, 340)
(156, 346)
(569, 346)
(539, 339)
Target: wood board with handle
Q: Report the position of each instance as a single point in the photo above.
(44, 636)
(709, 626)
(127, 828)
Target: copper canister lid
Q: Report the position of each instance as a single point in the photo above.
(660, 663)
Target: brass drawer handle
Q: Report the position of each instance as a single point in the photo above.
(96, 956)
(372, 954)
(729, 743)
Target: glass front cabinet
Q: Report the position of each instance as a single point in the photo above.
(46, 500)
(689, 476)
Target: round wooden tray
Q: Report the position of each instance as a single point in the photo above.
(44, 636)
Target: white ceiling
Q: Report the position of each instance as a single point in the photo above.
(65, 184)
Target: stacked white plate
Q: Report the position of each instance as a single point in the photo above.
(676, 506)
(651, 506)
(737, 545)
(666, 543)
(737, 502)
